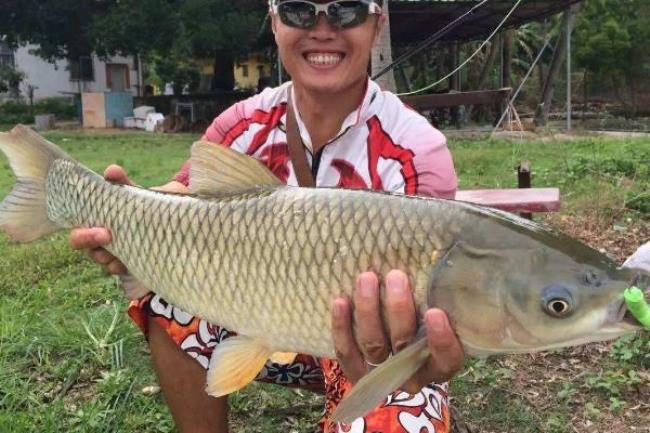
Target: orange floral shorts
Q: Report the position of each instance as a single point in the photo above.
(424, 412)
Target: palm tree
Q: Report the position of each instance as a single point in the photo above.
(382, 55)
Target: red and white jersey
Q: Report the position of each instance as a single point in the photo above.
(382, 145)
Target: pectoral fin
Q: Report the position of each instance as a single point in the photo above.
(370, 391)
(283, 357)
(235, 363)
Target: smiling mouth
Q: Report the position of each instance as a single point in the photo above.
(324, 59)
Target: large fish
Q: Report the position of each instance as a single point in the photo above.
(266, 260)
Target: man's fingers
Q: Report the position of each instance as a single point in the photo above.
(116, 268)
(446, 351)
(116, 174)
(347, 351)
(101, 256)
(400, 310)
(97, 237)
(367, 317)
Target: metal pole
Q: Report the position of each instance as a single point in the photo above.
(568, 75)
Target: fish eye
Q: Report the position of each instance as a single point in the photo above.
(557, 301)
(592, 279)
(558, 308)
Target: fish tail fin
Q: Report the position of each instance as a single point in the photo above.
(374, 387)
(23, 213)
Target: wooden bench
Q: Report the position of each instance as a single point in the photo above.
(454, 99)
(516, 200)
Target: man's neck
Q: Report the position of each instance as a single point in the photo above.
(324, 114)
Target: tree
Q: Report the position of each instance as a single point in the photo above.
(60, 28)
(226, 29)
(568, 23)
(382, 55)
(611, 44)
(10, 79)
(219, 29)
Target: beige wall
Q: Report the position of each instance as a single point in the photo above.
(252, 66)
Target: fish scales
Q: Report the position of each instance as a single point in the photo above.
(266, 263)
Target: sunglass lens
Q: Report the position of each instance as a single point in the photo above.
(348, 13)
(297, 14)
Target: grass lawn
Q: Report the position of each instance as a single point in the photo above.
(70, 360)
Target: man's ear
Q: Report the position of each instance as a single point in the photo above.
(274, 24)
(381, 22)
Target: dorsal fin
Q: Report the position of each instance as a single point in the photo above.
(216, 170)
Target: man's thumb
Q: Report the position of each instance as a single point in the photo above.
(116, 174)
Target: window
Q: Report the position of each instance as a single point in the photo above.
(81, 69)
(6, 56)
(244, 70)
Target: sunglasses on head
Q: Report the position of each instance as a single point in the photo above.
(303, 14)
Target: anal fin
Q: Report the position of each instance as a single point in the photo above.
(235, 363)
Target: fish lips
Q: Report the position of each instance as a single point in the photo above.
(621, 316)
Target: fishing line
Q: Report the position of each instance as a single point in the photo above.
(462, 65)
(430, 40)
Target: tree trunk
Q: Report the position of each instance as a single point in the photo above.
(382, 55)
(454, 82)
(224, 71)
(508, 44)
(485, 73)
(568, 22)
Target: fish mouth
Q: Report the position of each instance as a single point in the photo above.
(623, 316)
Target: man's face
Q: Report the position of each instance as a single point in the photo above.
(325, 58)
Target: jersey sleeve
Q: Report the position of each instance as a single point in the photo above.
(434, 166)
(433, 173)
(216, 133)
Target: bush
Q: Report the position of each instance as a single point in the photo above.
(15, 112)
(62, 108)
(12, 112)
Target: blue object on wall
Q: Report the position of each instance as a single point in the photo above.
(118, 106)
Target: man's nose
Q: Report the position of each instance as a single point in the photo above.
(323, 28)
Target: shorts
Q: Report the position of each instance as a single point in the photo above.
(426, 411)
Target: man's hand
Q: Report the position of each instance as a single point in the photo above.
(376, 340)
(94, 239)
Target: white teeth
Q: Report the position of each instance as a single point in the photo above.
(324, 59)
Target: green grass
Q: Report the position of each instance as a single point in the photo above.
(70, 360)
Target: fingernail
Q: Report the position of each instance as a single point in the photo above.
(437, 321)
(398, 282)
(103, 236)
(367, 287)
(337, 309)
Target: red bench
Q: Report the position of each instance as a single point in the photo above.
(516, 200)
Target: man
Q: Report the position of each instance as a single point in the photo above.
(354, 136)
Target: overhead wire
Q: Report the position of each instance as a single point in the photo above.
(521, 85)
(462, 65)
(430, 40)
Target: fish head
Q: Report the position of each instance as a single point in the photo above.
(537, 296)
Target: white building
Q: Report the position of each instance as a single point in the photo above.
(74, 76)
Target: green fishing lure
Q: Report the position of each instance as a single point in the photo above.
(638, 305)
